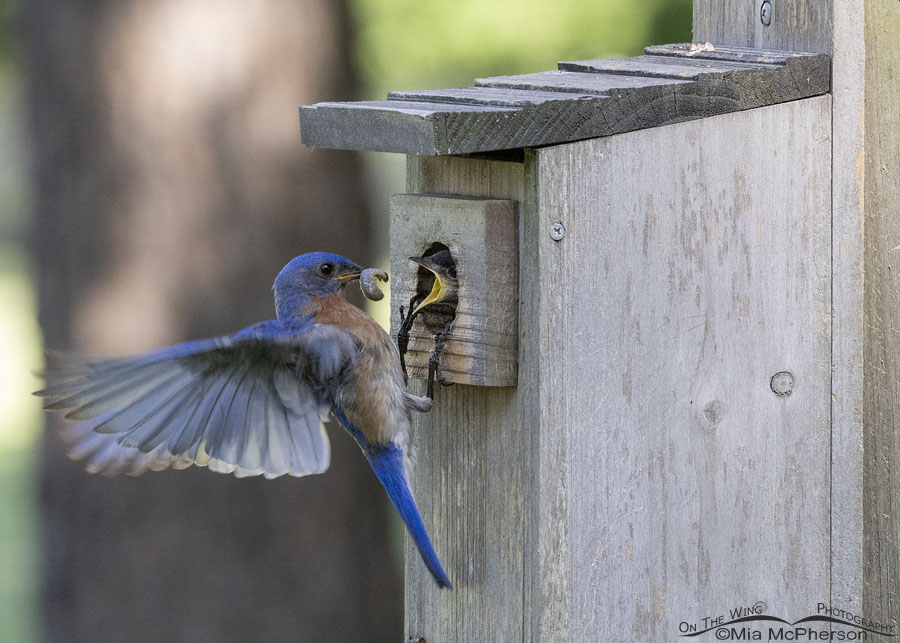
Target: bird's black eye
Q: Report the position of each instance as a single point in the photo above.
(326, 269)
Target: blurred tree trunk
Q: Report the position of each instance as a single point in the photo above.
(172, 187)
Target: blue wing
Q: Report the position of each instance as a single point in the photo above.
(249, 403)
(389, 464)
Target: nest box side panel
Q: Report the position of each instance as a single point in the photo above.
(482, 235)
(684, 439)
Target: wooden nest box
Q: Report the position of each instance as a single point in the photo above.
(675, 348)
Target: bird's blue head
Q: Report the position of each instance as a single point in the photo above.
(314, 274)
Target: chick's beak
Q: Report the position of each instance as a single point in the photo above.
(439, 290)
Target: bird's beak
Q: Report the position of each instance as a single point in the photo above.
(350, 274)
(440, 288)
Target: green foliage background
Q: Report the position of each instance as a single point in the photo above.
(411, 44)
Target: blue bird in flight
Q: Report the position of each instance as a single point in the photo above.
(253, 402)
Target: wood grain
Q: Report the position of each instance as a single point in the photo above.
(643, 471)
(583, 99)
(483, 237)
(848, 494)
(881, 353)
(471, 466)
(798, 25)
(570, 82)
(489, 96)
(664, 65)
(669, 480)
(866, 372)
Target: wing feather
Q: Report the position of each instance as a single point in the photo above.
(156, 430)
(140, 409)
(249, 447)
(228, 415)
(248, 404)
(189, 438)
(108, 391)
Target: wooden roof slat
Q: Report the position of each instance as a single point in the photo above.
(573, 82)
(583, 99)
(733, 54)
(491, 96)
(661, 66)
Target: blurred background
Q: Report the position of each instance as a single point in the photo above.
(152, 184)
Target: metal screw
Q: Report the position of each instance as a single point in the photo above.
(765, 13)
(557, 231)
(782, 383)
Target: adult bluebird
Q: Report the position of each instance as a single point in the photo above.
(253, 402)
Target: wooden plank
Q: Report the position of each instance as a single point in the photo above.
(866, 380)
(661, 66)
(471, 462)
(671, 482)
(460, 129)
(881, 352)
(514, 112)
(566, 81)
(799, 25)
(399, 126)
(697, 51)
(848, 284)
(483, 237)
(794, 69)
(498, 97)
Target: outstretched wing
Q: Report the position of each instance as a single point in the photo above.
(248, 403)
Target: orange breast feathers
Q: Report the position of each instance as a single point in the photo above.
(376, 405)
(337, 311)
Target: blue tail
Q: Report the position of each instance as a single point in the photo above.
(387, 463)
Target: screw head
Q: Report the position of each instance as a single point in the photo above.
(557, 231)
(765, 13)
(782, 383)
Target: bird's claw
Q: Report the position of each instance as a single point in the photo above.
(406, 322)
(434, 362)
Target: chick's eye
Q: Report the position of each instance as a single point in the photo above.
(326, 269)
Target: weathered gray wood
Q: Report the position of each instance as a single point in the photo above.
(483, 237)
(664, 66)
(866, 379)
(881, 353)
(598, 98)
(724, 53)
(670, 482)
(498, 97)
(471, 466)
(865, 525)
(798, 25)
(575, 83)
(848, 495)
(643, 472)
(399, 126)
